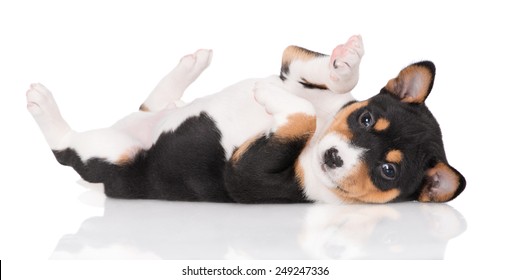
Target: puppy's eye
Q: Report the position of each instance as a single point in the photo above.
(366, 119)
(388, 171)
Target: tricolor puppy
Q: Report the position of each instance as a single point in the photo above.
(296, 137)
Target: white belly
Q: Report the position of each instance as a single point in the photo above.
(237, 115)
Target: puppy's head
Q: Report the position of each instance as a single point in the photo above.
(389, 147)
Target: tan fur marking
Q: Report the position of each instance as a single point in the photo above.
(240, 151)
(297, 125)
(292, 53)
(340, 123)
(144, 108)
(127, 156)
(429, 195)
(358, 187)
(400, 84)
(381, 124)
(395, 156)
(392, 85)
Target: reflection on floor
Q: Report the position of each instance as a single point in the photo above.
(180, 230)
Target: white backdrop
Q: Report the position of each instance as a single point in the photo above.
(101, 59)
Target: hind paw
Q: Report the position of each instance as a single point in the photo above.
(345, 60)
(195, 63)
(44, 109)
(40, 101)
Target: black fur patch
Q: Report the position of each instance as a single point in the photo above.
(266, 172)
(185, 164)
(310, 85)
(285, 69)
(282, 77)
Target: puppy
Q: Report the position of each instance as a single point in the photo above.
(296, 137)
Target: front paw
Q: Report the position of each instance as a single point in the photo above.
(263, 94)
(279, 102)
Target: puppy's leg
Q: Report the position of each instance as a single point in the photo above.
(264, 169)
(172, 86)
(293, 116)
(338, 72)
(93, 154)
(44, 109)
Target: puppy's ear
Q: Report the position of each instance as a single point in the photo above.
(442, 183)
(414, 83)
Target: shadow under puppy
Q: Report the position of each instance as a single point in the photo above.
(296, 137)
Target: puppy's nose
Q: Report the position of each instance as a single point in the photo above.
(332, 158)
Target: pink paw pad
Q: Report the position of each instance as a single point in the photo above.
(348, 54)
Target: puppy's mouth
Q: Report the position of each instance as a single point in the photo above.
(327, 178)
(333, 184)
